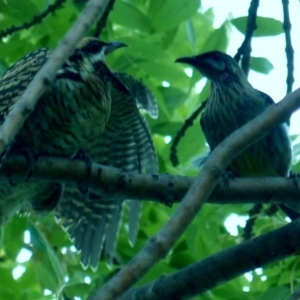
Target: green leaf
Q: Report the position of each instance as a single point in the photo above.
(173, 97)
(129, 16)
(181, 260)
(275, 293)
(168, 14)
(190, 30)
(165, 72)
(41, 245)
(168, 37)
(261, 65)
(265, 26)
(218, 40)
(140, 48)
(20, 10)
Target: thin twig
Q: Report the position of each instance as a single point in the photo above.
(36, 19)
(101, 23)
(245, 49)
(289, 47)
(159, 245)
(180, 133)
(25, 104)
(295, 295)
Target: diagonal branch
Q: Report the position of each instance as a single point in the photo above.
(27, 101)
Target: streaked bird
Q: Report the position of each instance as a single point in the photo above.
(232, 103)
(126, 143)
(77, 113)
(70, 114)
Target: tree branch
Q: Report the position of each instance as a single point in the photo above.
(159, 245)
(27, 101)
(289, 47)
(223, 266)
(181, 132)
(36, 19)
(162, 188)
(101, 23)
(245, 49)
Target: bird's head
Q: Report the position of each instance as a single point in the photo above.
(89, 57)
(95, 50)
(215, 65)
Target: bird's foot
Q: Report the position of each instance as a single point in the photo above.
(226, 177)
(294, 178)
(31, 156)
(84, 183)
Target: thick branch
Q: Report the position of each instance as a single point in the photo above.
(163, 188)
(25, 104)
(223, 266)
(158, 246)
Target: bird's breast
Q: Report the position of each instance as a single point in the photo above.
(68, 117)
(269, 156)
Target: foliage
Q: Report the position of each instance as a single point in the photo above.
(157, 32)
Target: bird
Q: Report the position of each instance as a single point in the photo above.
(233, 102)
(126, 143)
(71, 113)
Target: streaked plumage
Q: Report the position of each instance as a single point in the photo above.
(69, 116)
(232, 103)
(126, 143)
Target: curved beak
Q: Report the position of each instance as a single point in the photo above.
(112, 46)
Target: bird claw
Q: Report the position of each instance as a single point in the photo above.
(31, 156)
(226, 177)
(294, 178)
(84, 183)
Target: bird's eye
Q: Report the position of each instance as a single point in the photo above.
(94, 47)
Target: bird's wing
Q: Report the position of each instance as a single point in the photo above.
(16, 79)
(126, 143)
(145, 100)
(270, 101)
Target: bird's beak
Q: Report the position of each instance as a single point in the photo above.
(205, 66)
(112, 46)
(200, 65)
(191, 60)
(194, 62)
